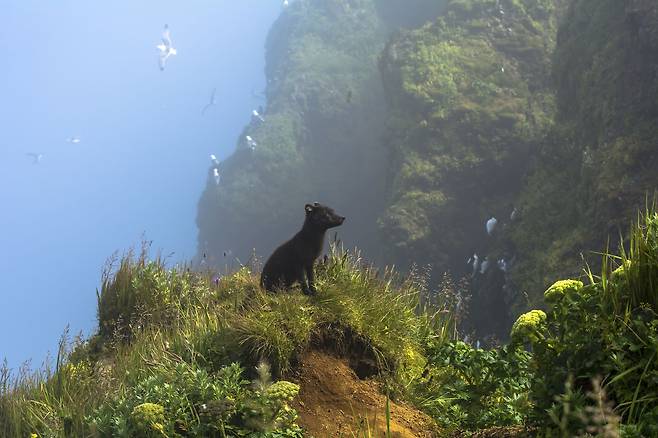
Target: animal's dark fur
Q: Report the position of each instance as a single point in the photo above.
(293, 261)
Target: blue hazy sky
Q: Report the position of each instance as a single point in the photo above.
(90, 69)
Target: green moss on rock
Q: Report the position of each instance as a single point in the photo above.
(470, 99)
(319, 140)
(593, 171)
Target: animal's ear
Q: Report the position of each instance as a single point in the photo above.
(309, 208)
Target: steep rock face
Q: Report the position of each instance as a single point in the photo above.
(320, 140)
(470, 99)
(419, 129)
(595, 168)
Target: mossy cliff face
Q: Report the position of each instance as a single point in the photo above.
(593, 171)
(470, 99)
(420, 127)
(320, 140)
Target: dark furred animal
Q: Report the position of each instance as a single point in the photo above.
(293, 261)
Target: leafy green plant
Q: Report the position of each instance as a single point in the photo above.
(607, 328)
(180, 398)
(469, 388)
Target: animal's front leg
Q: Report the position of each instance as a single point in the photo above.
(310, 276)
(300, 277)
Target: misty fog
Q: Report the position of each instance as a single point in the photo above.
(86, 70)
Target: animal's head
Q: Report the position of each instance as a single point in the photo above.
(323, 217)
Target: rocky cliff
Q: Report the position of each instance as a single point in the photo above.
(420, 122)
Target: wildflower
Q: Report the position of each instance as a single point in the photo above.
(561, 288)
(283, 391)
(528, 327)
(146, 419)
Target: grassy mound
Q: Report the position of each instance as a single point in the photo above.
(180, 353)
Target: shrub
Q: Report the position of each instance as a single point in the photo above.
(608, 328)
(469, 388)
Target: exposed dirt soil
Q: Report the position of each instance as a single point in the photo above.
(334, 402)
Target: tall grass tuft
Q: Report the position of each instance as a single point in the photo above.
(630, 280)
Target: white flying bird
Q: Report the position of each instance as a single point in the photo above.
(285, 3)
(215, 173)
(211, 103)
(36, 157)
(214, 159)
(74, 140)
(257, 115)
(166, 49)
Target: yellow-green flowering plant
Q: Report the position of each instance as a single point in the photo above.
(560, 289)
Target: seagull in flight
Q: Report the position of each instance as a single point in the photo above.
(74, 140)
(211, 103)
(166, 49)
(36, 157)
(214, 159)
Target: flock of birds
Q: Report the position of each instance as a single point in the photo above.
(167, 50)
(482, 266)
(251, 143)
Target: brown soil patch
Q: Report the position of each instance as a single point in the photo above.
(333, 402)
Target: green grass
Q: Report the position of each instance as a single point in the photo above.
(166, 332)
(630, 279)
